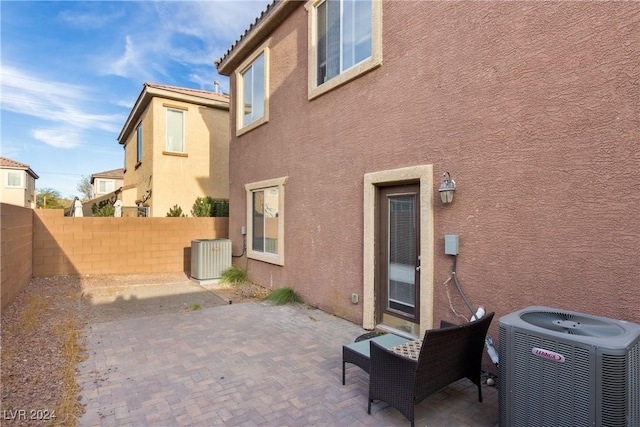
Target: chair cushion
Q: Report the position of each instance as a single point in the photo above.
(409, 349)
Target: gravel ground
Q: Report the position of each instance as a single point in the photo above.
(32, 338)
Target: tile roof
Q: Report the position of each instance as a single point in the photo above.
(192, 92)
(253, 25)
(12, 164)
(115, 174)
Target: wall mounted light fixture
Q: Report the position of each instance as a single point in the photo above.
(447, 188)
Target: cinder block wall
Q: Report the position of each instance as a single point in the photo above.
(16, 225)
(68, 245)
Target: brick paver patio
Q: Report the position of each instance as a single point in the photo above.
(246, 364)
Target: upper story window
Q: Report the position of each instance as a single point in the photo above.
(139, 144)
(15, 179)
(346, 41)
(175, 130)
(252, 88)
(106, 186)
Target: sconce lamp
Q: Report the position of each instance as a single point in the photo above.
(447, 188)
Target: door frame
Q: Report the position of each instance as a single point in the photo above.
(424, 175)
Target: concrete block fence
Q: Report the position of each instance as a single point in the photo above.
(46, 243)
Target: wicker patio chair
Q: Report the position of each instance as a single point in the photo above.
(446, 355)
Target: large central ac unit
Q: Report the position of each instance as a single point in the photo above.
(210, 258)
(562, 368)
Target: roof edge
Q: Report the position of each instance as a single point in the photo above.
(253, 36)
(150, 91)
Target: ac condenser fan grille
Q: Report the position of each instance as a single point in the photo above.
(571, 324)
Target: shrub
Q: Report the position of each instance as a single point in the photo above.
(283, 296)
(234, 275)
(201, 207)
(207, 206)
(104, 208)
(175, 211)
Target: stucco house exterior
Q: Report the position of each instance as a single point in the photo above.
(106, 182)
(346, 114)
(176, 148)
(18, 183)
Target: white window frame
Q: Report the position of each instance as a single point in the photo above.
(139, 143)
(20, 173)
(374, 61)
(167, 146)
(105, 181)
(279, 183)
(241, 127)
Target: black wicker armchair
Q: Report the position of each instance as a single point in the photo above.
(447, 355)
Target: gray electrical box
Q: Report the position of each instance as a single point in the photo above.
(451, 244)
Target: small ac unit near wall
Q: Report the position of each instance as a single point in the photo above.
(562, 368)
(210, 258)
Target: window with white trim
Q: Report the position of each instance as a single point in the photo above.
(175, 130)
(139, 143)
(346, 41)
(15, 179)
(265, 220)
(252, 84)
(106, 186)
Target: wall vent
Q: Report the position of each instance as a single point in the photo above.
(562, 368)
(210, 258)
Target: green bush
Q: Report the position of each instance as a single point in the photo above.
(207, 206)
(282, 296)
(104, 208)
(175, 211)
(234, 275)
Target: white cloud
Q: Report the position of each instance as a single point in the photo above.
(90, 20)
(160, 32)
(58, 139)
(131, 63)
(57, 102)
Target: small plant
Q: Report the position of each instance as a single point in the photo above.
(175, 211)
(194, 307)
(31, 316)
(234, 275)
(282, 296)
(69, 408)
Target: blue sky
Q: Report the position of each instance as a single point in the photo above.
(71, 72)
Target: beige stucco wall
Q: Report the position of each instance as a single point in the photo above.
(16, 251)
(203, 170)
(536, 119)
(24, 196)
(138, 175)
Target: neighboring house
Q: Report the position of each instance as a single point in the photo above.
(106, 182)
(176, 148)
(18, 183)
(346, 114)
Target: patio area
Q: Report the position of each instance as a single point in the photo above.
(246, 364)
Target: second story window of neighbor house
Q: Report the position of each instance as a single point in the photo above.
(175, 130)
(106, 186)
(14, 179)
(343, 36)
(139, 145)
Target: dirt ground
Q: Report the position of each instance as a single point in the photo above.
(35, 327)
(119, 297)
